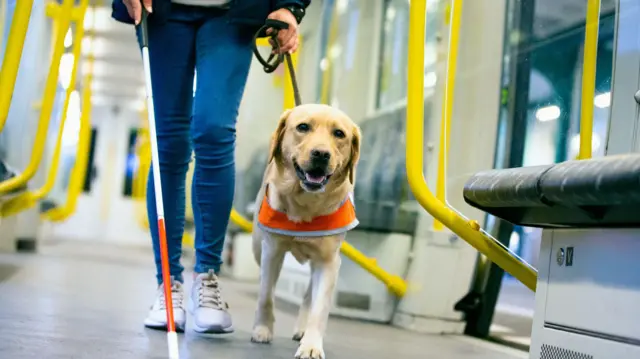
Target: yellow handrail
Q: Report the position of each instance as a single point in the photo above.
(447, 105)
(63, 24)
(79, 172)
(29, 199)
(589, 78)
(3, 16)
(468, 230)
(12, 55)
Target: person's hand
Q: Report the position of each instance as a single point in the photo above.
(135, 9)
(288, 38)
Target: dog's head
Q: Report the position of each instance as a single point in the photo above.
(318, 144)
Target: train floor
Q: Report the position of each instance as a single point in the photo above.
(74, 300)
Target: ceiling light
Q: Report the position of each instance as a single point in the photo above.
(89, 19)
(71, 130)
(430, 79)
(575, 143)
(68, 38)
(324, 64)
(602, 100)
(548, 113)
(342, 6)
(65, 69)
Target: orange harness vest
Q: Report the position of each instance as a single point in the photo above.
(342, 220)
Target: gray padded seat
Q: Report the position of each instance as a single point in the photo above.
(6, 173)
(599, 192)
(248, 182)
(372, 137)
(381, 186)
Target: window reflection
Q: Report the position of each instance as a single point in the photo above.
(392, 82)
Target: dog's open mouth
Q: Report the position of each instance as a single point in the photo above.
(314, 178)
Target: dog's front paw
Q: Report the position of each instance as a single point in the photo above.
(310, 349)
(261, 334)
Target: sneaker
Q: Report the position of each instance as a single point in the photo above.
(157, 317)
(210, 311)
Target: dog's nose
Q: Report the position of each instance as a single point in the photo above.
(320, 155)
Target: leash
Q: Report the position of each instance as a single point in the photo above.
(276, 58)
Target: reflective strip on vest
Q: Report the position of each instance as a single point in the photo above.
(338, 222)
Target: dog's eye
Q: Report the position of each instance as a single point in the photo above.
(303, 127)
(339, 134)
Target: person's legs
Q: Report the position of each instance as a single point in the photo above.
(172, 60)
(223, 58)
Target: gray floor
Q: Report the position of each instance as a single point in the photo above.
(80, 301)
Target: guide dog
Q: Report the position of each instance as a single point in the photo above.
(305, 207)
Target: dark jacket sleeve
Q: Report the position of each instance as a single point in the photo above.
(302, 3)
(120, 13)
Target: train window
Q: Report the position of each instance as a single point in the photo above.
(341, 20)
(131, 164)
(91, 173)
(392, 75)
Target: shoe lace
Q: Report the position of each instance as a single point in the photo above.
(177, 297)
(209, 294)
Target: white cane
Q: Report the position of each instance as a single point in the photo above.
(172, 336)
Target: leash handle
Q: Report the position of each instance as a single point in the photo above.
(276, 58)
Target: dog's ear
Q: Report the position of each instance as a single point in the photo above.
(355, 153)
(275, 151)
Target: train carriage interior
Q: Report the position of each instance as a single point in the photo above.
(497, 188)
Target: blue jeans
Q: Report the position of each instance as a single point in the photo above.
(196, 38)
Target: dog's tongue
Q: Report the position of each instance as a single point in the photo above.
(314, 179)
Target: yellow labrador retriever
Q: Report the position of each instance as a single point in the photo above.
(306, 208)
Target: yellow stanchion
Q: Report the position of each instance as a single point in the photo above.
(589, 78)
(29, 199)
(12, 55)
(447, 105)
(468, 230)
(79, 172)
(63, 23)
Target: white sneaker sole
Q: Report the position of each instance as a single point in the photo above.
(152, 324)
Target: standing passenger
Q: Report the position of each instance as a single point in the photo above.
(213, 37)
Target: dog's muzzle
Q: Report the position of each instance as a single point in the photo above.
(314, 178)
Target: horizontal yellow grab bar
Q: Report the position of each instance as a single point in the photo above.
(51, 84)
(240, 221)
(12, 55)
(395, 283)
(470, 231)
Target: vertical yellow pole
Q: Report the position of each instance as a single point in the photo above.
(447, 106)
(12, 54)
(589, 78)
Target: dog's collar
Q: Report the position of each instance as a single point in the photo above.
(276, 222)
